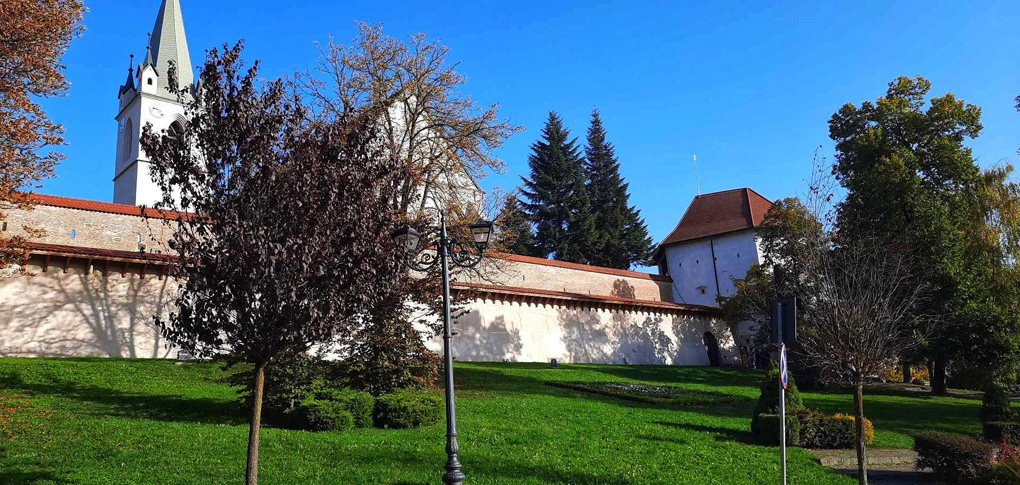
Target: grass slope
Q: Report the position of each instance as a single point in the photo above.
(130, 421)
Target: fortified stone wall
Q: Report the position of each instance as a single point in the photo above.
(83, 311)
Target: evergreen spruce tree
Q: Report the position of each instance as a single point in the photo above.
(516, 226)
(621, 236)
(557, 199)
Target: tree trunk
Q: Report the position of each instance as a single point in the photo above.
(908, 375)
(938, 376)
(252, 473)
(862, 452)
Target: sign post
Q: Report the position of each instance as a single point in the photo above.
(785, 380)
(784, 328)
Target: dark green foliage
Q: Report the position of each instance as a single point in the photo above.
(999, 431)
(667, 395)
(955, 458)
(556, 197)
(995, 405)
(765, 429)
(288, 382)
(818, 430)
(408, 409)
(621, 236)
(768, 401)
(516, 227)
(360, 404)
(326, 415)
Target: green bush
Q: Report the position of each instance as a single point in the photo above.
(999, 431)
(326, 415)
(765, 429)
(995, 405)
(818, 430)
(768, 401)
(288, 382)
(955, 458)
(360, 404)
(408, 409)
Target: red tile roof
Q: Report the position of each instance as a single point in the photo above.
(96, 206)
(97, 253)
(582, 267)
(720, 213)
(513, 292)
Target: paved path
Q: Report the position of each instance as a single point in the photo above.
(885, 466)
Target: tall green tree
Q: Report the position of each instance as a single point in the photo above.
(913, 185)
(621, 237)
(557, 199)
(516, 227)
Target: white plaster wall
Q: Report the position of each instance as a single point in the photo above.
(690, 266)
(78, 314)
(524, 332)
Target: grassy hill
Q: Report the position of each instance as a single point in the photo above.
(100, 421)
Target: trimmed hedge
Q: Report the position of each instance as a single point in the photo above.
(765, 429)
(995, 405)
(408, 409)
(999, 431)
(820, 431)
(955, 458)
(325, 415)
(360, 404)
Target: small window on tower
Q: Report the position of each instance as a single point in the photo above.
(149, 81)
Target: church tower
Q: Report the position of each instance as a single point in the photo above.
(150, 102)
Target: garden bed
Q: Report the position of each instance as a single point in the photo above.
(651, 394)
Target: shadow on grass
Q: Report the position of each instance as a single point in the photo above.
(19, 477)
(134, 405)
(481, 378)
(719, 433)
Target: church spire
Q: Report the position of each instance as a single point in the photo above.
(170, 44)
(129, 85)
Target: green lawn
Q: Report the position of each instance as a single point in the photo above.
(128, 421)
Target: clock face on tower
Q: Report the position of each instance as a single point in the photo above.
(154, 111)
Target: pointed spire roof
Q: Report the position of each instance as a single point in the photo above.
(129, 85)
(169, 43)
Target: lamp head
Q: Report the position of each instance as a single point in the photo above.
(407, 238)
(481, 231)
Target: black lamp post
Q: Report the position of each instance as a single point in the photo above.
(422, 257)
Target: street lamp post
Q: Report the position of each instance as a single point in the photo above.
(420, 257)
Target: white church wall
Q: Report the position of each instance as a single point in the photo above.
(81, 314)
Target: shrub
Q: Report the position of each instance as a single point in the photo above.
(359, 404)
(995, 405)
(768, 401)
(326, 415)
(1006, 467)
(288, 382)
(869, 428)
(765, 429)
(820, 431)
(955, 458)
(408, 409)
(999, 431)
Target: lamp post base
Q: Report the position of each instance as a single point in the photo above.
(454, 475)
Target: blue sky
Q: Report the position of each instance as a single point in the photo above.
(749, 89)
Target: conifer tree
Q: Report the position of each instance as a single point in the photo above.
(557, 200)
(516, 226)
(621, 236)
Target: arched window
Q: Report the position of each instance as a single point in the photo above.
(176, 129)
(127, 140)
(149, 81)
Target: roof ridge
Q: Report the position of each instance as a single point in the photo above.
(104, 207)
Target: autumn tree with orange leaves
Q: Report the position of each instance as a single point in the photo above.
(34, 34)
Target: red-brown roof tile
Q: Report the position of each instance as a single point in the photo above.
(106, 207)
(536, 294)
(720, 213)
(582, 267)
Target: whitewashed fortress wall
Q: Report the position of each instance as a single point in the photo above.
(90, 291)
